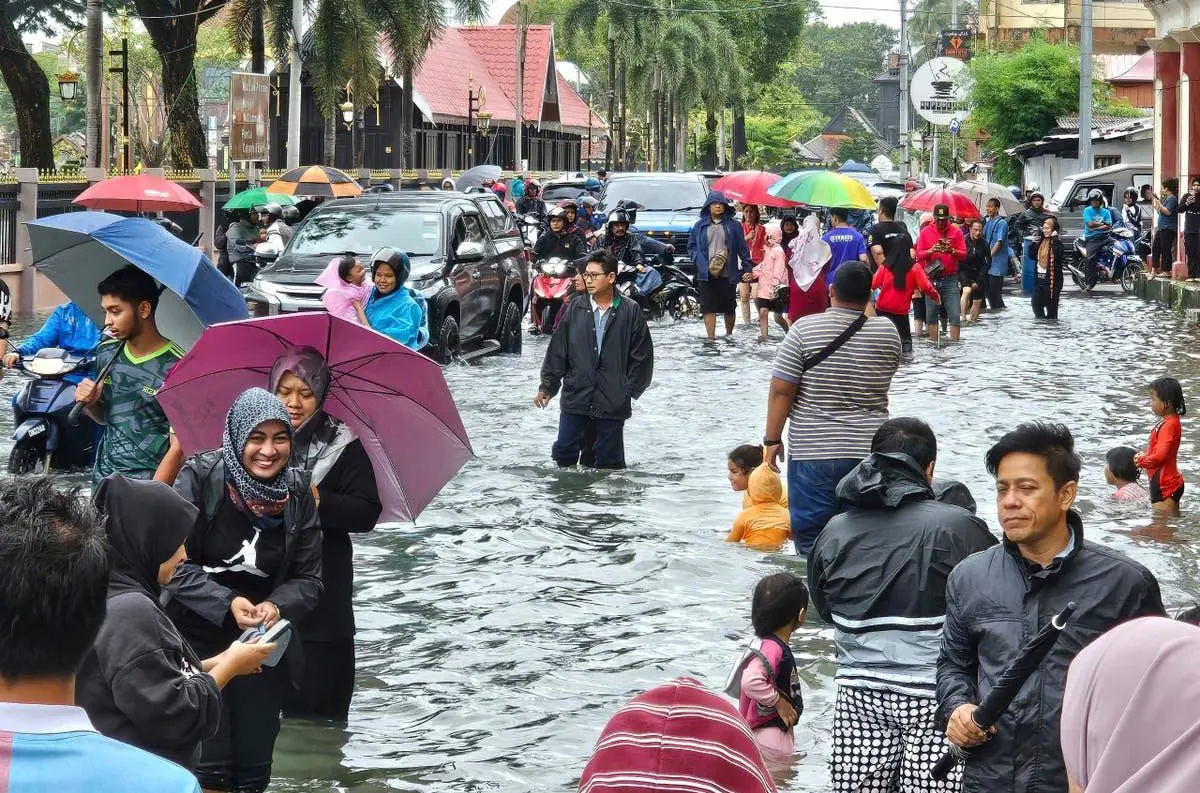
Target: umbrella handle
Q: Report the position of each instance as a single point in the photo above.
(77, 408)
(944, 766)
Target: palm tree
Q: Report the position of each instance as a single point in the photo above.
(94, 61)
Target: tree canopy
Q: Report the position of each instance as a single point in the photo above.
(835, 66)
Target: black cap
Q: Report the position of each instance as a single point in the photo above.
(941, 212)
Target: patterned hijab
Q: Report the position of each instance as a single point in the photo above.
(255, 407)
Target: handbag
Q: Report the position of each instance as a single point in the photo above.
(935, 270)
(716, 265)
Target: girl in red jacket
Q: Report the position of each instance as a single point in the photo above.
(896, 278)
(1166, 483)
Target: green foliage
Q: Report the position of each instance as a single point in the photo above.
(1017, 96)
(860, 146)
(835, 66)
(768, 144)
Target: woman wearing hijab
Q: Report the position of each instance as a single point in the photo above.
(394, 309)
(808, 256)
(1131, 710)
(347, 503)
(142, 683)
(254, 558)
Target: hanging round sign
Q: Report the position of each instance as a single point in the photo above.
(940, 90)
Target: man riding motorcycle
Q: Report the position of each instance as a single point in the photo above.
(1097, 223)
(531, 203)
(560, 242)
(617, 240)
(278, 232)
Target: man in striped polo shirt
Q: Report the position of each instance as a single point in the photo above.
(830, 383)
(878, 575)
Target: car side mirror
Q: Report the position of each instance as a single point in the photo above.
(469, 251)
(267, 258)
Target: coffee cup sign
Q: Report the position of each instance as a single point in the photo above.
(249, 101)
(941, 90)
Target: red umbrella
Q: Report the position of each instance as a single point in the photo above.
(750, 187)
(961, 205)
(139, 193)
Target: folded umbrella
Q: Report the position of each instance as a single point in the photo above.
(78, 250)
(1008, 685)
(395, 400)
(138, 193)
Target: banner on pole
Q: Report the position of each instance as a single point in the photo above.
(249, 98)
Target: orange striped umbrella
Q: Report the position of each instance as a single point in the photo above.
(316, 180)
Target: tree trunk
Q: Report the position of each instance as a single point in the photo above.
(95, 78)
(708, 151)
(175, 41)
(331, 122)
(670, 133)
(612, 99)
(739, 136)
(258, 43)
(360, 141)
(621, 154)
(30, 91)
(406, 119)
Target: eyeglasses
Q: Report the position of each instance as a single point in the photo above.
(590, 276)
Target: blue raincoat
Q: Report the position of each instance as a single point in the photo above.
(402, 315)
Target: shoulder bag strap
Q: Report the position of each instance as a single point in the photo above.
(835, 345)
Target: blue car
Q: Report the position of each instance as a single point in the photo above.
(670, 205)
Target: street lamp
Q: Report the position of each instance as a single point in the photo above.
(68, 85)
(347, 109)
(483, 121)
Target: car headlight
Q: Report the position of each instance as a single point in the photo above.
(425, 270)
(265, 287)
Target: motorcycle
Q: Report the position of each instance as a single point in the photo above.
(1117, 262)
(44, 437)
(531, 229)
(660, 289)
(551, 286)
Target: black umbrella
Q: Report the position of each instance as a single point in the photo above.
(1007, 685)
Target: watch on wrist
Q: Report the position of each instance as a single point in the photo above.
(769, 442)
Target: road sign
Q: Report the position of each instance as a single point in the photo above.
(955, 44)
(249, 100)
(954, 126)
(940, 90)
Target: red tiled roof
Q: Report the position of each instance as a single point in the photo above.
(442, 79)
(1142, 71)
(489, 55)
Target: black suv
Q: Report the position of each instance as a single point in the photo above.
(467, 260)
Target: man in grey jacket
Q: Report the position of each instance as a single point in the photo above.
(877, 573)
(602, 356)
(996, 600)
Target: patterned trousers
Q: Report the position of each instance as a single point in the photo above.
(885, 742)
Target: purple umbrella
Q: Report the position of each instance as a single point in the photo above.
(394, 399)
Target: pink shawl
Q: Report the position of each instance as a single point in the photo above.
(339, 296)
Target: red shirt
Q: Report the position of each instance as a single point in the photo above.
(929, 236)
(1159, 459)
(756, 239)
(896, 301)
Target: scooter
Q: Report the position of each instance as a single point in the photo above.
(1116, 263)
(551, 286)
(44, 437)
(659, 289)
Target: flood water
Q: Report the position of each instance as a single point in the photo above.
(498, 634)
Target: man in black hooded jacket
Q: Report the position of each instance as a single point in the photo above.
(998, 599)
(877, 573)
(602, 357)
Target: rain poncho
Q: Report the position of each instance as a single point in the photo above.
(401, 315)
(339, 296)
(772, 272)
(764, 522)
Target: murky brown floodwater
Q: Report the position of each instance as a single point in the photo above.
(499, 634)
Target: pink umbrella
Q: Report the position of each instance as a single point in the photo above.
(394, 399)
(750, 187)
(139, 193)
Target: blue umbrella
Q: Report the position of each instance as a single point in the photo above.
(78, 250)
(851, 166)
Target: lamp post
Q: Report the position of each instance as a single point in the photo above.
(483, 123)
(475, 100)
(68, 85)
(123, 70)
(347, 109)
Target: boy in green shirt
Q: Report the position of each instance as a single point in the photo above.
(136, 431)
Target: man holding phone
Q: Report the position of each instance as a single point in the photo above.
(940, 248)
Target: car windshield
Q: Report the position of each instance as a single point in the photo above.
(1062, 193)
(655, 194)
(367, 229)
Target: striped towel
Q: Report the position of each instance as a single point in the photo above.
(676, 738)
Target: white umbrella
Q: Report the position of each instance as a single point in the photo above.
(980, 192)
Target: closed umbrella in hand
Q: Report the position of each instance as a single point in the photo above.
(1008, 684)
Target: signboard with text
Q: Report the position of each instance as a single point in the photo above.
(941, 90)
(249, 100)
(955, 44)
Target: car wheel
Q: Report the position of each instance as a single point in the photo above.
(447, 344)
(510, 330)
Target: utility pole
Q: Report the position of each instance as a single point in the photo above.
(522, 27)
(612, 96)
(123, 70)
(904, 132)
(1085, 87)
(294, 68)
(95, 78)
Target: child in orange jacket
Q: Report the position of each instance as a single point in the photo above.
(764, 522)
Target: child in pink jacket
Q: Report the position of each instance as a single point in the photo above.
(765, 680)
(771, 275)
(347, 288)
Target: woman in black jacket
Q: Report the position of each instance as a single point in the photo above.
(141, 683)
(1048, 248)
(254, 557)
(347, 503)
(972, 271)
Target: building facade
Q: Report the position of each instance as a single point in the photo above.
(1118, 26)
(1176, 90)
